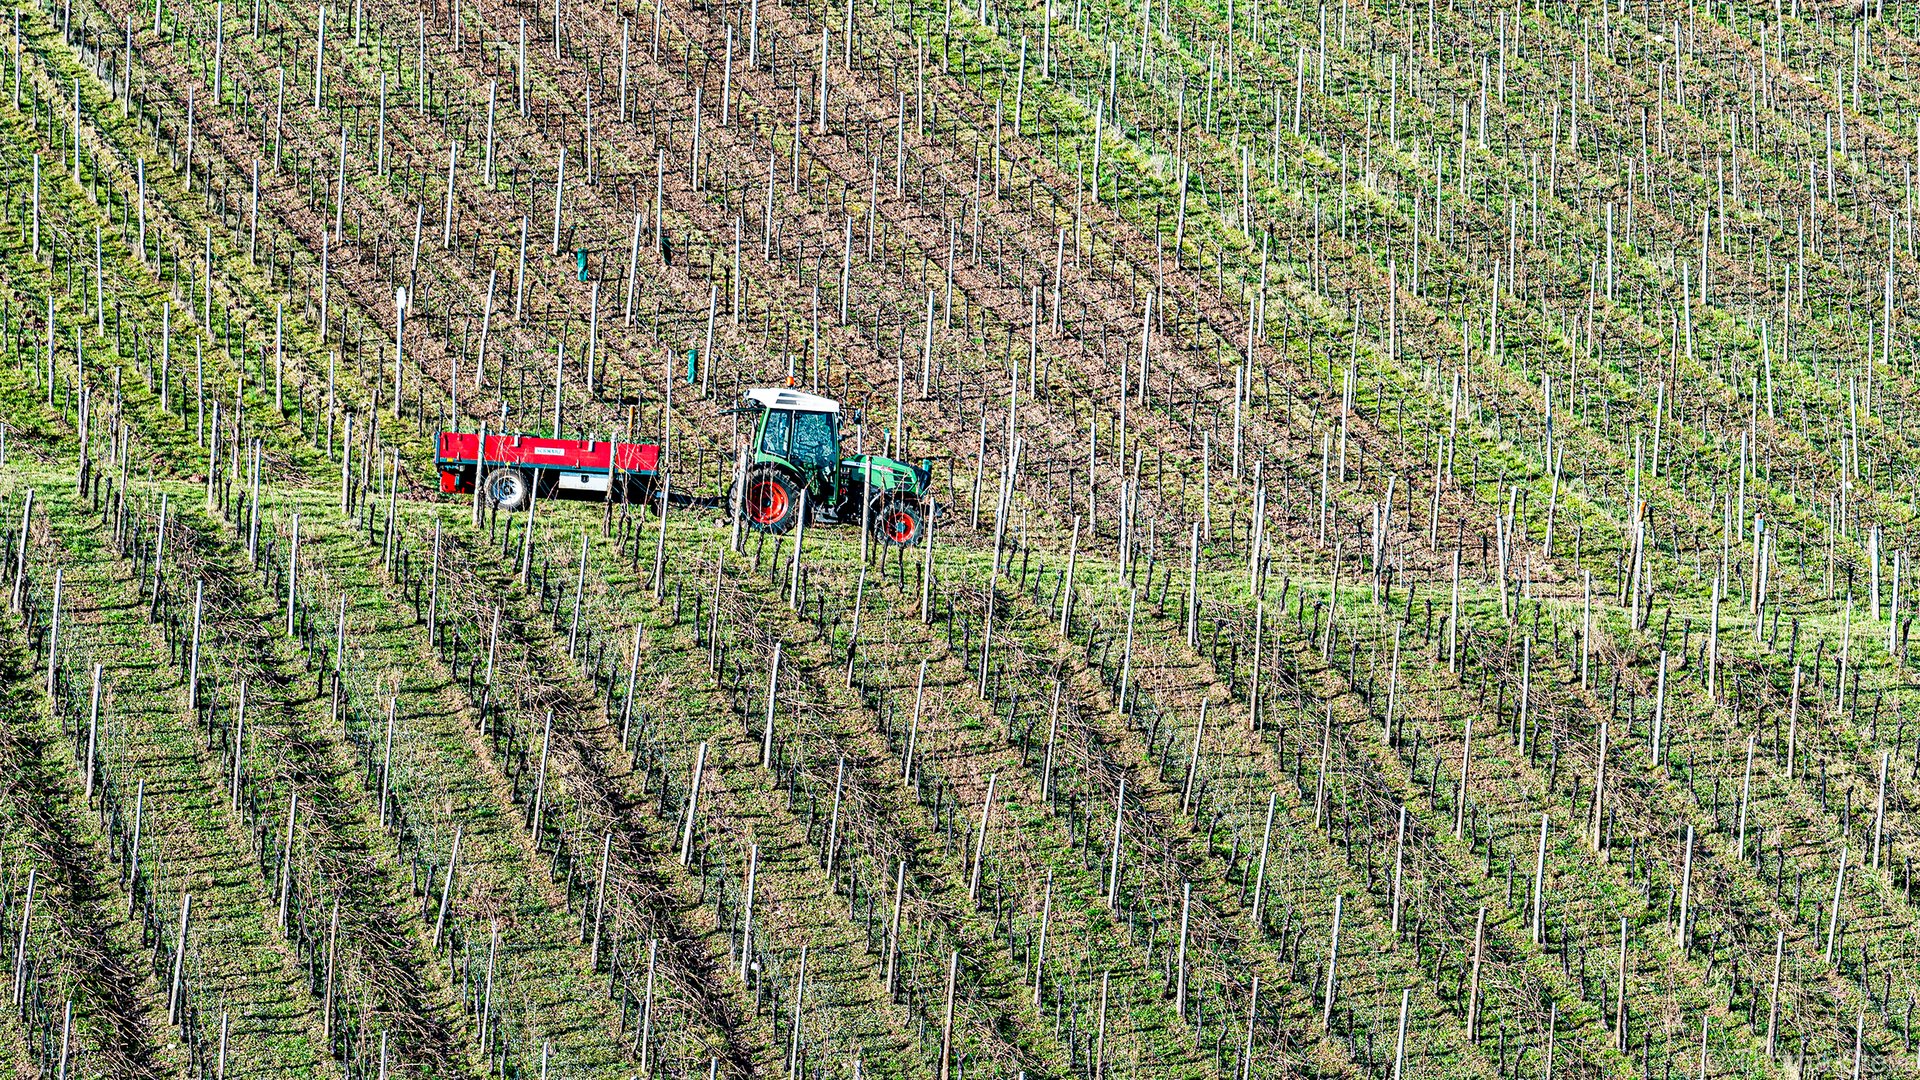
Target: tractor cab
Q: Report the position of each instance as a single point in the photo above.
(795, 458)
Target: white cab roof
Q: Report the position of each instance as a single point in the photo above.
(796, 400)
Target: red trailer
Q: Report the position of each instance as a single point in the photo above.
(512, 468)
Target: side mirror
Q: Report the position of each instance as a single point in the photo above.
(859, 417)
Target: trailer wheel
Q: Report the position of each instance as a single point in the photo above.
(508, 489)
(898, 523)
(771, 502)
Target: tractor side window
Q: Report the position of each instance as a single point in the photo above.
(813, 439)
(773, 438)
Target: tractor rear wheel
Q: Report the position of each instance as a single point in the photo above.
(898, 522)
(771, 501)
(507, 489)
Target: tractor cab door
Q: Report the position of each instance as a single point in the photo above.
(816, 451)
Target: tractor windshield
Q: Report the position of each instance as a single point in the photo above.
(813, 440)
(773, 436)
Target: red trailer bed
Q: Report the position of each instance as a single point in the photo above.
(556, 468)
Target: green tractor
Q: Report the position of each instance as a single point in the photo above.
(795, 466)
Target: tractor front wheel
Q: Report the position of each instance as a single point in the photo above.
(898, 522)
(507, 489)
(771, 502)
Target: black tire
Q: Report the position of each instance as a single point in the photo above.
(507, 489)
(771, 501)
(898, 521)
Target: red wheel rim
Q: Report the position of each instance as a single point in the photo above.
(898, 526)
(766, 502)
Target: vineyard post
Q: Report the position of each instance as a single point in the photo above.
(319, 53)
(1526, 688)
(386, 759)
(580, 584)
(893, 931)
(773, 699)
(559, 195)
(1599, 790)
(493, 644)
(399, 334)
(1793, 720)
(220, 1062)
(1333, 960)
(1773, 996)
(53, 627)
(346, 466)
(540, 784)
(833, 819)
(1253, 691)
(286, 855)
(1539, 936)
(446, 228)
(1040, 954)
(20, 949)
(479, 468)
(799, 541)
(526, 545)
(1393, 689)
(1620, 993)
(646, 1011)
(1686, 893)
(1453, 620)
(1833, 916)
(660, 546)
(946, 1026)
(1320, 814)
(239, 747)
(175, 1003)
(1746, 786)
(66, 1026)
(913, 726)
(333, 952)
(1659, 713)
(1473, 986)
(693, 804)
(133, 851)
(293, 571)
(926, 568)
(446, 888)
(799, 1000)
(1399, 858)
(633, 675)
(486, 163)
(624, 28)
(1053, 731)
(1206, 485)
(1180, 969)
(1193, 758)
(325, 254)
(980, 840)
(746, 922)
(1466, 767)
(486, 996)
(1880, 798)
(1113, 862)
(93, 733)
(340, 192)
(18, 595)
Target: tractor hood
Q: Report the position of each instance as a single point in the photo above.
(886, 474)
